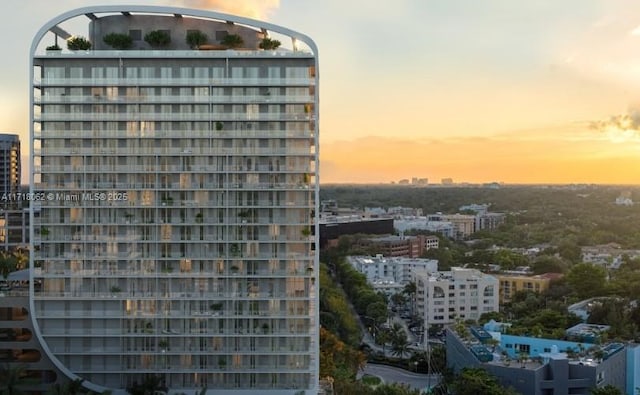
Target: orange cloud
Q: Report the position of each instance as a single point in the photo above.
(570, 154)
(258, 9)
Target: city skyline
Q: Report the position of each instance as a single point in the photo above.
(499, 91)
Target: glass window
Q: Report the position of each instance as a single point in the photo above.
(97, 72)
(75, 72)
(131, 72)
(217, 72)
(136, 34)
(201, 72)
(186, 72)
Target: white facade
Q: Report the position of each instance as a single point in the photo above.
(178, 194)
(443, 297)
(422, 223)
(395, 270)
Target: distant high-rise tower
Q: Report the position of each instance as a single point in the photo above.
(178, 182)
(9, 163)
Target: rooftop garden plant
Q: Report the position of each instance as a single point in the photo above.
(268, 43)
(118, 40)
(53, 47)
(195, 38)
(232, 41)
(157, 38)
(78, 43)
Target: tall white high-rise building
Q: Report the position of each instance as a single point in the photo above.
(177, 188)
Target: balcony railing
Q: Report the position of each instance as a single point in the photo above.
(175, 116)
(126, 81)
(244, 151)
(182, 99)
(190, 134)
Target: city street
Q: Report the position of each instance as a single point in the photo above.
(391, 374)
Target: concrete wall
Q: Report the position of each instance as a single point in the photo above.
(178, 28)
(633, 369)
(558, 376)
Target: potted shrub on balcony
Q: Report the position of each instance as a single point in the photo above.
(115, 289)
(269, 44)
(265, 328)
(199, 218)
(53, 48)
(119, 41)
(78, 43)
(234, 249)
(157, 38)
(232, 41)
(167, 269)
(195, 38)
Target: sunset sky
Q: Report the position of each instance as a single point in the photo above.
(542, 91)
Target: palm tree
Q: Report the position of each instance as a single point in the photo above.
(13, 379)
(8, 264)
(399, 345)
(384, 336)
(397, 329)
(22, 258)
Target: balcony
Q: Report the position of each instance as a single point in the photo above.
(170, 82)
(172, 116)
(183, 99)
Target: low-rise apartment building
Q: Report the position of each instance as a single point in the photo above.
(512, 283)
(442, 297)
(401, 246)
(387, 271)
(536, 366)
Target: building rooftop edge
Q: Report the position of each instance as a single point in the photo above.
(52, 25)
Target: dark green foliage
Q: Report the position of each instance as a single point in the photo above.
(359, 388)
(587, 280)
(232, 41)
(53, 47)
(335, 313)
(268, 43)
(78, 43)
(621, 314)
(196, 38)
(8, 264)
(148, 386)
(118, 40)
(535, 214)
(13, 379)
(338, 360)
(474, 381)
(606, 390)
(157, 38)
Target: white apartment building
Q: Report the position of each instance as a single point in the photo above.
(442, 297)
(422, 223)
(177, 189)
(399, 270)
